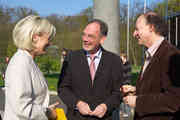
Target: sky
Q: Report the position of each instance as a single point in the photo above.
(61, 7)
(46, 7)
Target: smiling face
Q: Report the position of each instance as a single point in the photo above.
(142, 31)
(41, 42)
(92, 37)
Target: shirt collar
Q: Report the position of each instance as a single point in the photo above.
(151, 51)
(97, 54)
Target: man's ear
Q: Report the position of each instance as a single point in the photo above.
(152, 28)
(102, 39)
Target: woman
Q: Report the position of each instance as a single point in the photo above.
(26, 90)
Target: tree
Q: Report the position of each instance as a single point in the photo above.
(21, 12)
(173, 7)
(87, 12)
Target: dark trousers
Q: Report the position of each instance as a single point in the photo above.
(115, 114)
(0, 117)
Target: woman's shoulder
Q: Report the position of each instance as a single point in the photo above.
(21, 58)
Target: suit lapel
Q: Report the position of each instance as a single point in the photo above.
(101, 66)
(160, 51)
(85, 67)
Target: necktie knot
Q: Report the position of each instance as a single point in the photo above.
(92, 57)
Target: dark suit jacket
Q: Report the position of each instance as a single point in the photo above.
(158, 90)
(75, 83)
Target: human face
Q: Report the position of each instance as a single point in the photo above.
(123, 59)
(41, 42)
(142, 31)
(92, 38)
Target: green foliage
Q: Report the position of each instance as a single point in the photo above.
(11, 49)
(1, 81)
(135, 73)
(173, 7)
(160, 9)
(3, 67)
(47, 64)
(4, 40)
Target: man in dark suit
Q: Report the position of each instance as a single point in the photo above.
(91, 96)
(158, 87)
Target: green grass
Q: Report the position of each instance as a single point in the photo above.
(136, 69)
(52, 81)
(1, 81)
(53, 78)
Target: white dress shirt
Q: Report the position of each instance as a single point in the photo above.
(97, 58)
(26, 90)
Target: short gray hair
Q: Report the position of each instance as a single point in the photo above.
(25, 29)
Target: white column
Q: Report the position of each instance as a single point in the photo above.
(109, 12)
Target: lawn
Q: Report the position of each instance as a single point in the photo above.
(53, 78)
(1, 81)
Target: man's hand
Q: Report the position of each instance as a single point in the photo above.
(51, 114)
(99, 111)
(54, 105)
(128, 89)
(130, 100)
(83, 108)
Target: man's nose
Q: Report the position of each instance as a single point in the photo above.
(84, 38)
(135, 33)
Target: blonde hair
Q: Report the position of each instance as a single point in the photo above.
(25, 29)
